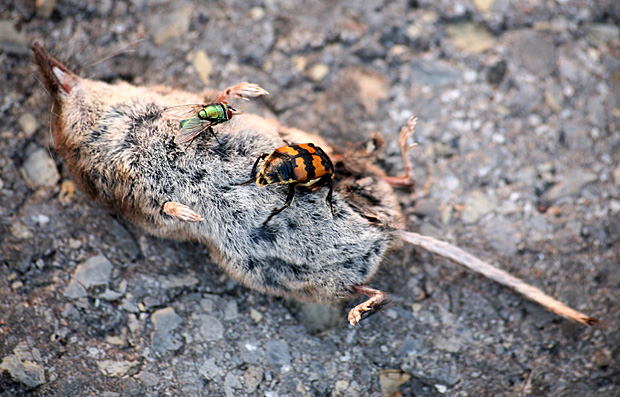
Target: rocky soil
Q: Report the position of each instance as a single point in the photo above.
(518, 162)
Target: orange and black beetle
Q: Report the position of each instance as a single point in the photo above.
(304, 164)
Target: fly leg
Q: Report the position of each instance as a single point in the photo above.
(406, 180)
(240, 91)
(289, 200)
(369, 307)
(181, 212)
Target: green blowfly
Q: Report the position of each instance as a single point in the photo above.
(198, 118)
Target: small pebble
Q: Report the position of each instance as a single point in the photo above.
(255, 315)
(95, 271)
(27, 372)
(476, 206)
(211, 328)
(277, 353)
(470, 37)
(28, 123)
(45, 8)
(40, 170)
(67, 191)
(390, 381)
(203, 66)
(13, 41)
(318, 72)
(117, 368)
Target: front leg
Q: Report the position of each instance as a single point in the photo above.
(253, 173)
(289, 200)
(406, 180)
(240, 91)
(181, 212)
(369, 307)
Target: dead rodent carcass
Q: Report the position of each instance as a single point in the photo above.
(120, 147)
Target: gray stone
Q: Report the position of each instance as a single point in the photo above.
(165, 341)
(435, 73)
(250, 352)
(11, 40)
(75, 290)
(432, 370)
(534, 50)
(113, 368)
(209, 369)
(277, 353)
(476, 205)
(110, 295)
(186, 280)
(148, 378)
(27, 372)
(597, 111)
(502, 236)
(130, 306)
(570, 184)
(231, 383)
(603, 33)
(451, 344)
(40, 170)
(69, 311)
(95, 271)
(169, 25)
(166, 320)
(211, 328)
(315, 317)
(231, 311)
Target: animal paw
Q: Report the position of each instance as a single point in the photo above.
(241, 91)
(181, 212)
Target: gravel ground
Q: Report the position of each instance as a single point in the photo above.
(517, 162)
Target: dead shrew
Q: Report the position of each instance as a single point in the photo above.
(122, 152)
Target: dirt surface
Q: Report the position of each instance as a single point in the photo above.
(517, 162)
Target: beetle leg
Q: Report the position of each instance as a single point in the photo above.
(369, 307)
(289, 201)
(181, 212)
(253, 173)
(240, 91)
(329, 194)
(406, 180)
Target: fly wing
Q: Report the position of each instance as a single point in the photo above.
(190, 125)
(182, 112)
(190, 128)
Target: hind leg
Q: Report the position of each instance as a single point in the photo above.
(406, 180)
(369, 307)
